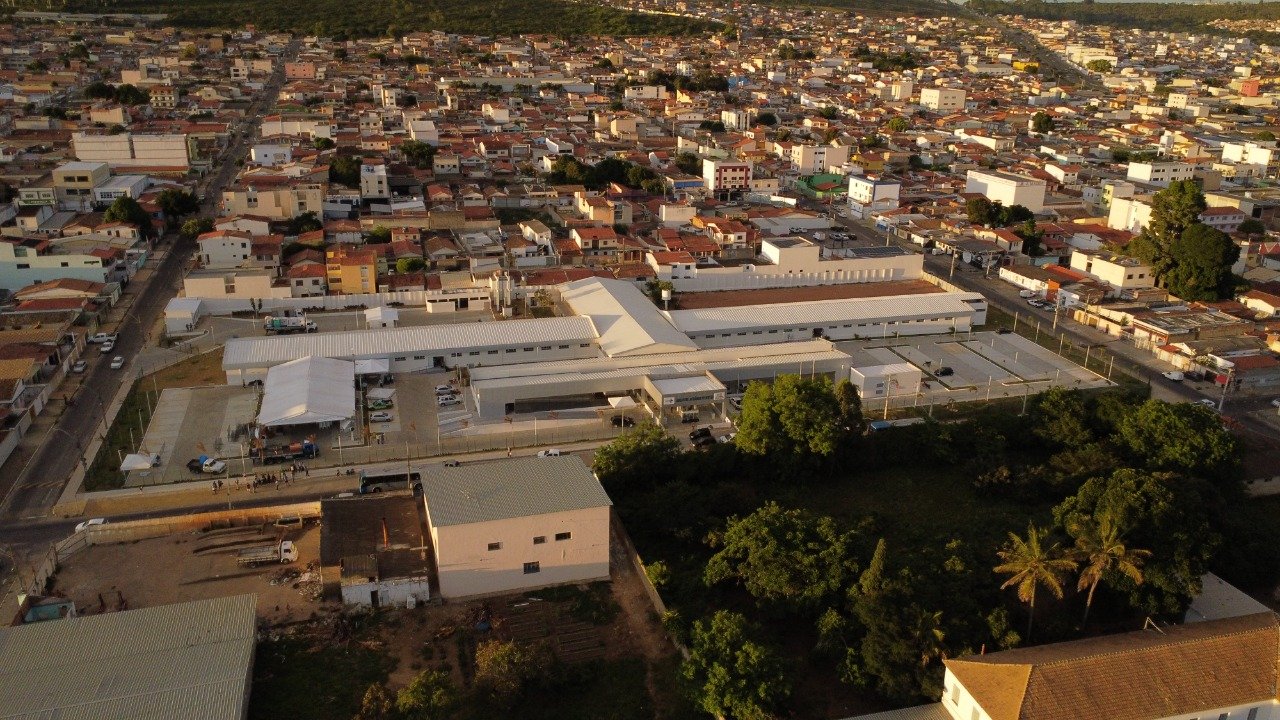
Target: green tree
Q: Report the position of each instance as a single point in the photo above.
(1173, 210)
(1264, 136)
(429, 696)
(979, 210)
(323, 143)
(1060, 416)
(1166, 512)
(630, 460)
(898, 124)
(714, 126)
(1101, 551)
(767, 119)
(126, 209)
(507, 668)
(304, 223)
(345, 170)
(1031, 565)
(793, 416)
(379, 235)
(177, 203)
(1042, 122)
(1181, 437)
(1252, 226)
(99, 90)
(850, 404)
(1202, 260)
(788, 560)
(731, 675)
(129, 95)
(1099, 66)
(195, 227)
(689, 163)
(410, 265)
(377, 704)
(421, 154)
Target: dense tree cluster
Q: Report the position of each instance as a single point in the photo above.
(982, 211)
(125, 94)
(1132, 501)
(568, 170)
(334, 18)
(1193, 18)
(1190, 259)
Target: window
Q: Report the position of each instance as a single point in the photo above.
(474, 352)
(563, 536)
(539, 539)
(402, 359)
(495, 546)
(419, 357)
(564, 347)
(511, 350)
(1253, 714)
(493, 352)
(531, 568)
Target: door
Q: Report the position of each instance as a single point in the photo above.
(373, 599)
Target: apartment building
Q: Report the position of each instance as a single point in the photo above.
(1007, 188)
(942, 100)
(274, 203)
(726, 176)
(1160, 173)
(350, 270)
(1122, 274)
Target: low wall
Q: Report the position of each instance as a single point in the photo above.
(409, 298)
(132, 530)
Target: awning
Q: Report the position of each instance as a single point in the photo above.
(373, 366)
(309, 390)
(136, 461)
(623, 401)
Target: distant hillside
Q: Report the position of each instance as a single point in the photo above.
(1168, 16)
(873, 8)
(370, 18)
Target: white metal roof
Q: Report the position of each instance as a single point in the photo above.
(687, 385)
(505, 489)
(820, 313)
(627, 322)
(259, 352)
(309, 390)
(189, 660)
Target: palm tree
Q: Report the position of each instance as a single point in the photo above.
(1100, 550)
(1031, 565)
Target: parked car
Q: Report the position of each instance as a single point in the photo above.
(117, 362)
(444, 390)
(689, 417)
(90, 523)
(107, 347)
(101, 338)
(448, 400)
(704, 441)
(79, 366)
(622, 421)
(1275, 403)
(452, 463)
(727, 438)
(699, 433)
(1174, 375)
(1209, 403)
(944, 371)
(1026, 294)
(381, 404)
(207, 465)
(381, 417)
(1003, 331)
(553, 452)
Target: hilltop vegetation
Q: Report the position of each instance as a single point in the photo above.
(879, 8)
(338, 18)
(1172, 17)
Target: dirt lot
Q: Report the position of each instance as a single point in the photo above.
(192, 566)
(845, 291)
(203, 369)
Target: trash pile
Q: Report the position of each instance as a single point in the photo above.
(308, 583)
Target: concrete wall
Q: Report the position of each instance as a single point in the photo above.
(468, 568)
(390, 592)
(410, 298)
(798, 332)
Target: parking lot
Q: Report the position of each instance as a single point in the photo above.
(189, 422)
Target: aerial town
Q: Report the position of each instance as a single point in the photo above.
(834, 363)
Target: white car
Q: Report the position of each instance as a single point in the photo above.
(90, 523)
(381, 417)
(1275, 403)
(101, 338)
(553, 452)
(1174, 375)
(444, 390)
(117, 362)
(1026, 294)
(447, 400)
(1209, 403)
(79, 367)
(107, 347)
(727, 438)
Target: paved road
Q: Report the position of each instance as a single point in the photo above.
(38, 485)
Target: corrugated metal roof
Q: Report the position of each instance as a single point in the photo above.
(820, 312)
(189, 660)
(932, 711)
(521, 487)
(628, 323)
(259, 352)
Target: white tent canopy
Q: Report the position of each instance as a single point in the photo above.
(309, 390)
(373, 366)
(138, 461)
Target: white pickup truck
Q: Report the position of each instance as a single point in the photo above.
(283, 553)
(99, 338)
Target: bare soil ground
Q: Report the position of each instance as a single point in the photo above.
(203, 369)
(844, 291)
(193, 566)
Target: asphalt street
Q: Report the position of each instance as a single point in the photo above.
(37, 486)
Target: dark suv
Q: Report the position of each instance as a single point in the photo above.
(699, 433)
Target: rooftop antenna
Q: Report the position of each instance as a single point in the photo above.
(1152, 625)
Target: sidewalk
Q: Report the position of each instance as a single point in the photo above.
(322, 482)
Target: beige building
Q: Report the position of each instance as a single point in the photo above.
(242, 284)
(1121, 273)
(274, 203)
(163, 151)
(515, 525)
(73, 183)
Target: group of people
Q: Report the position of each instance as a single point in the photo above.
(284, 476)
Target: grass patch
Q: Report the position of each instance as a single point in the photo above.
(202, 369)
(126, 431)
(593, 603)
(295, 678)
(599, 690)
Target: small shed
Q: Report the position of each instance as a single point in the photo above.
(882, 381)
(377, 549)
(181, 315)
(381, 317)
